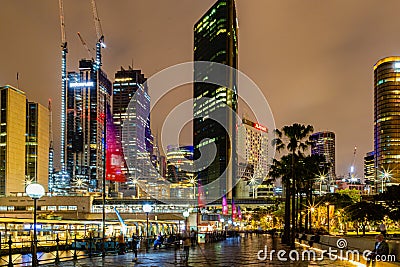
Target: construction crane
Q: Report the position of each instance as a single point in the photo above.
(85, 45)
(99, 31)
(64, 51)
(351, 174)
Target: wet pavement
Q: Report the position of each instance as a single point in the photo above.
(230, 252)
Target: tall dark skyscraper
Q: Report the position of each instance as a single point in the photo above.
(369, 171)
(323, 143)
(216, 40)
(87, 92)
(387, 122)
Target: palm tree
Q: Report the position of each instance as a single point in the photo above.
(311, 166)
(294, 139)
(281, 169)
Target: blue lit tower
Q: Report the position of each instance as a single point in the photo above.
(87, 93)
(216, 40)
(60, 182)
(51, 150)
(64, 52)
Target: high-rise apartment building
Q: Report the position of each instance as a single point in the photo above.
(88, 92)
(24, 141)
(12, 140)
(387, 122)
(252, 150)
(216, 40)
(323, 143)
(37, 143)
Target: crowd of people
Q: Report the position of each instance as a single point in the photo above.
(178, 241)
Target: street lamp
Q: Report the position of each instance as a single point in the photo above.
(147, 209)
(385, 177)
(321, 179)
(253, 182)
(34, 191)
(222, 220)
(186, 215)
(192, 181)
(327, 210)
(312, 209)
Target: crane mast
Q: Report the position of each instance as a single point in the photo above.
(62, 24)
(99, 32)
(353, 162)
(85, 45)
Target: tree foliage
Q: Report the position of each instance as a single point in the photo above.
(366, 211)
(352, 193)
(338, 200)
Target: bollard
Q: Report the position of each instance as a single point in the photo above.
(57, 260)
(10, 261)
(90, 245)
(176, 252)
(75, 255)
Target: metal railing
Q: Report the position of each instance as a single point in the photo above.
(19, 253)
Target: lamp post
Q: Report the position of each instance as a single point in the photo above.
(186, 215)
(147, 208)
(222, 220)
(385, 177)
(253, 182)
(321, 179)
(311, 212)
(327, 211)
(34, 191)
(192, 181)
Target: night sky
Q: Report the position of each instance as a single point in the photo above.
(312, 59)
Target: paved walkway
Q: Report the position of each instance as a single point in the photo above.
(231, 252)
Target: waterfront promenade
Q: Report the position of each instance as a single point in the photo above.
(230, 252)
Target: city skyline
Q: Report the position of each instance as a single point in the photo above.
(330, 67)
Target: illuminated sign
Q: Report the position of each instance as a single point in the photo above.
(31, 226)
(255, 125)
(260, 127)
(85, 84)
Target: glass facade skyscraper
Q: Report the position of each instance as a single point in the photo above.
(387, 122)
(88, 91)
(215, 40)
(131, 109)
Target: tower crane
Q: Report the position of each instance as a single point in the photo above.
(352, 163)
(99, 31)
(85, 45)
(64, 51)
